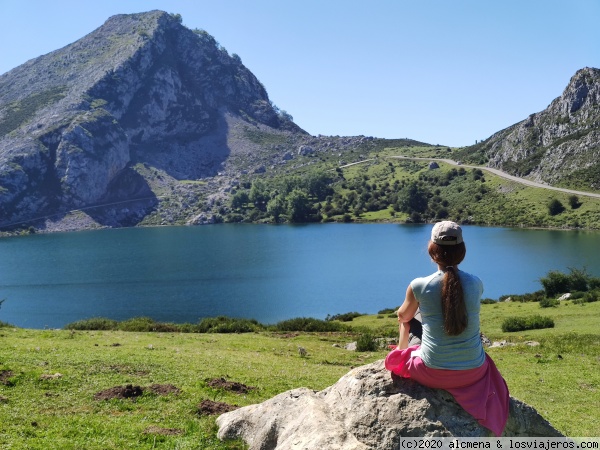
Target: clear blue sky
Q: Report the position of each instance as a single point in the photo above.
(440, 71)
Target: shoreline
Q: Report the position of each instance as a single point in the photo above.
(7, 234)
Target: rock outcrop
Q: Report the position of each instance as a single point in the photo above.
(560, 144)
(364, 410)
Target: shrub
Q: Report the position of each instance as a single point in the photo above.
(488, 301)
(146, 324)
(574, 202)
(549, 303)
(224, 324)
(388, 311)
(526, 323)
(96, 323)
(559, 283)
(587, 297)
(346, 317)
(524, 298)
(555, 283)
(555, 207)
(310, 325)
(366, 343)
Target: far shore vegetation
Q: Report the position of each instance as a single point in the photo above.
(138, 383)
(382, 188)
(366, 186)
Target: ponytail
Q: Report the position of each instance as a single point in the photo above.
(454, 310)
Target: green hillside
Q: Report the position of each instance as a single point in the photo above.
(379, 187)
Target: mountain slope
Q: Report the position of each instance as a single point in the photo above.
(140, 91)
(558, 146)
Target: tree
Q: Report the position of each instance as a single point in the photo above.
(285, 116)
(412, 198)
(258, 194)
(556, 282)
(555, 207)
(574, 202)
(317, 184)
(298, 206)
(239, 199)
(276, 207)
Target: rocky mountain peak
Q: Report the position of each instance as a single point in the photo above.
(583, 91)
(559, 145)
(140, 89)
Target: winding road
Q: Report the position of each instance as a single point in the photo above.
(501, 174)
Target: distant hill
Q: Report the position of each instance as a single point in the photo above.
(140, 90)
(559, 145)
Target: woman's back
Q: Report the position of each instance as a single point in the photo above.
(438, 349)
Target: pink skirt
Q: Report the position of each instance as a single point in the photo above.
(468, 387)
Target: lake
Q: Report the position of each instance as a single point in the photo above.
(266, 272)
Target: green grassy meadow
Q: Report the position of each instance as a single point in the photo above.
(49, 378)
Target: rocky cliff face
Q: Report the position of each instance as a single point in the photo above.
(560, 145)
(83, 125)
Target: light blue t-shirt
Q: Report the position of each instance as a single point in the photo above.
(438, 349)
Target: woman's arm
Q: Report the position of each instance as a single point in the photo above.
(409, 307)
(405, 313)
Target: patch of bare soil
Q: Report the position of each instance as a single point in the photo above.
(233, 386)
(130, 391)
(211, 408)
(5, 377)
(164, 431)
(3, 399)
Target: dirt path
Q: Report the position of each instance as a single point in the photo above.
(503, 175)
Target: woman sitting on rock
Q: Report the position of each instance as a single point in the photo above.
(451, 355)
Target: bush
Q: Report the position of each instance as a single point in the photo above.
(587, 297)
(556, 282)
(96, 323)
(555, 207)
(549, 303)
(488, 301)
(524, 298)
(366, 343)
(526, 323)
(310, 325)
(346, 317)
(388, 311)
(224, 324)
(574, 202)
(146, 324)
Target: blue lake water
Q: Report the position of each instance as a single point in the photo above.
(266, 272)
